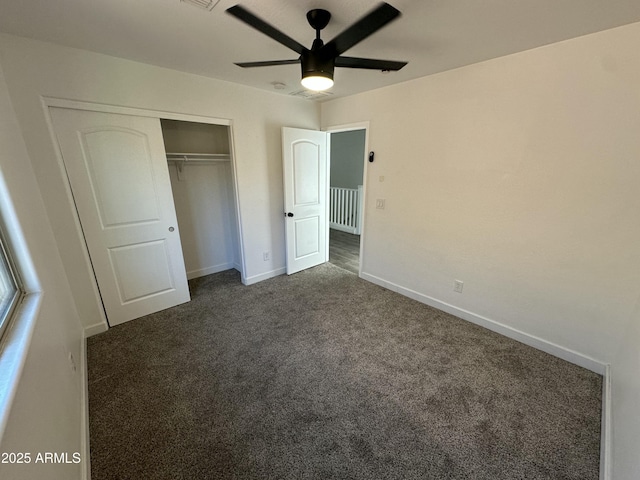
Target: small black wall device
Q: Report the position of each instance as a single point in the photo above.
(371, 156)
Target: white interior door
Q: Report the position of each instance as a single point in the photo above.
(306, 187)
(118, 172)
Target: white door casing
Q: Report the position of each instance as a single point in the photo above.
(119, 178)
(305, 154)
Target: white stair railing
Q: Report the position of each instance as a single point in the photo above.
(345, 207)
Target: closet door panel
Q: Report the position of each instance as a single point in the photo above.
(118, 174)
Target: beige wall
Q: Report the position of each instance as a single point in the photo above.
(46, 415)
(34, 69)
(519, 176)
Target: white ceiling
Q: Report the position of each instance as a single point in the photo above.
(432, 35)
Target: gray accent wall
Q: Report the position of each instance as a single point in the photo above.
(347, 158)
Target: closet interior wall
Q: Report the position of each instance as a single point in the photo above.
(203, 193)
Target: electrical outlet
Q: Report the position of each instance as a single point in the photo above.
(266, 256)
(380, 203)
(457, 286)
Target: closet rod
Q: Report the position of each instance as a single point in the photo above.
(198, 157)
(182, 159)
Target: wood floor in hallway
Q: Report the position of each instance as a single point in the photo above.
(344, 250)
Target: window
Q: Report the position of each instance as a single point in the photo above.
(10, 291)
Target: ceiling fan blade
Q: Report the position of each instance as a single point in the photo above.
(268, 63)
(249, 18)
(369, 63)
(371, 22)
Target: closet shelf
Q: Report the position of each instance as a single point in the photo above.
(198, 157)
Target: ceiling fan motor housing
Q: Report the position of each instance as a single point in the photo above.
(316, 65)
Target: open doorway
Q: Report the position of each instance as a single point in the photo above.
(346, 197)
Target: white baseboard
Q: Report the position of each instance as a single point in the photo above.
(92, 330)
(201, 272)
(531, 340)
(606, 427)
(84, 421)
(342, 228)
(264, 276)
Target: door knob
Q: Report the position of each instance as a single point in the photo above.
(289, 214)
(171, 229)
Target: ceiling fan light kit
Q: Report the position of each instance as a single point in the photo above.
(319, 62)
(316, 82)
(317, 72)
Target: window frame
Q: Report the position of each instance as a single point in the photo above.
(20, 322)
(7, 263)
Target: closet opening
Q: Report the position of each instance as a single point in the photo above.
(203, 187)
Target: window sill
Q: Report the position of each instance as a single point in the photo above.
(14, 348)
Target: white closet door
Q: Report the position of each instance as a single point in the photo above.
(118, 173)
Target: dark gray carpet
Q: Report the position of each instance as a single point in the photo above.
(322, 375)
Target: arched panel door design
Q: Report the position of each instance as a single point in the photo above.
(118, 174)
(305, 197)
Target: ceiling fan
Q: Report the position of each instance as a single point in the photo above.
(318, 63)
